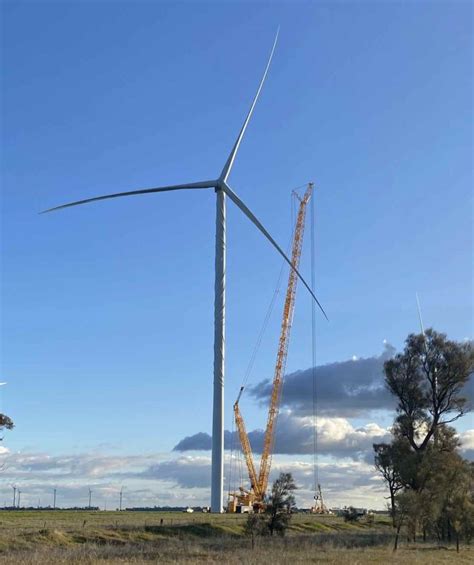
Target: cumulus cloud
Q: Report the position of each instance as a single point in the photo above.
(353, 388)
(294, 436)
(467, 444)
(157, 479)
(25, 466)
(188, 472)
(201, 442)
(160, 479)
(148, 478)
(346, 388)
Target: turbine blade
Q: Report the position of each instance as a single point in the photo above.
(230, 161)
(203, 184)
(236, 200)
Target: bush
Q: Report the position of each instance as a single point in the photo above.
(351, 514)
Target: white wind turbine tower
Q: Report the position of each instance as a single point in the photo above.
(222, 190)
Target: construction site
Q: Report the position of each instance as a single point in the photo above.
(236, 283)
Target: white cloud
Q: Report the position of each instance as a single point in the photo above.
(467, 439)
(467, 444)
(160, 479)
(294, 435)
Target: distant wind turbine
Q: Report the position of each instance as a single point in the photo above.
(222, 189)
(422, 328)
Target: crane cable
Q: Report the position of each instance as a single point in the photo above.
(313, 362)
(275, 294)
(293, 225)
(263, 329)
(230, 460)
(252, 362)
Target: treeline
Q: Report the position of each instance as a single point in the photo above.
(431, 486)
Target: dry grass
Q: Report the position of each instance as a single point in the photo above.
(140, 537)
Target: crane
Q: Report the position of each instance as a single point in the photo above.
(258, 484)
(319, 506)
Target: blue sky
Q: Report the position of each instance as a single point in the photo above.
(107, 309)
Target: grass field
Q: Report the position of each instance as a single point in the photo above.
(28, 537)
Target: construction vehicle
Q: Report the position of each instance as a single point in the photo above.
(319, 506)
(255, 496)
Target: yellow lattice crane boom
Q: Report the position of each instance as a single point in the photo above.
(246, 448)
(259, 485)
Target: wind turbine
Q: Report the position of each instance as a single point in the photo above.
(222, 190)
(422, 327)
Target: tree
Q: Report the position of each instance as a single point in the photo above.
(280, 504)
(277, 514)
(452, 490)
(403, 506)
(428, 379)
(6, 423)
(255, 526)
(430, 483)
(351, 514)
(386, 459)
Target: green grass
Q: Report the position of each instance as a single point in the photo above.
(29, 537)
